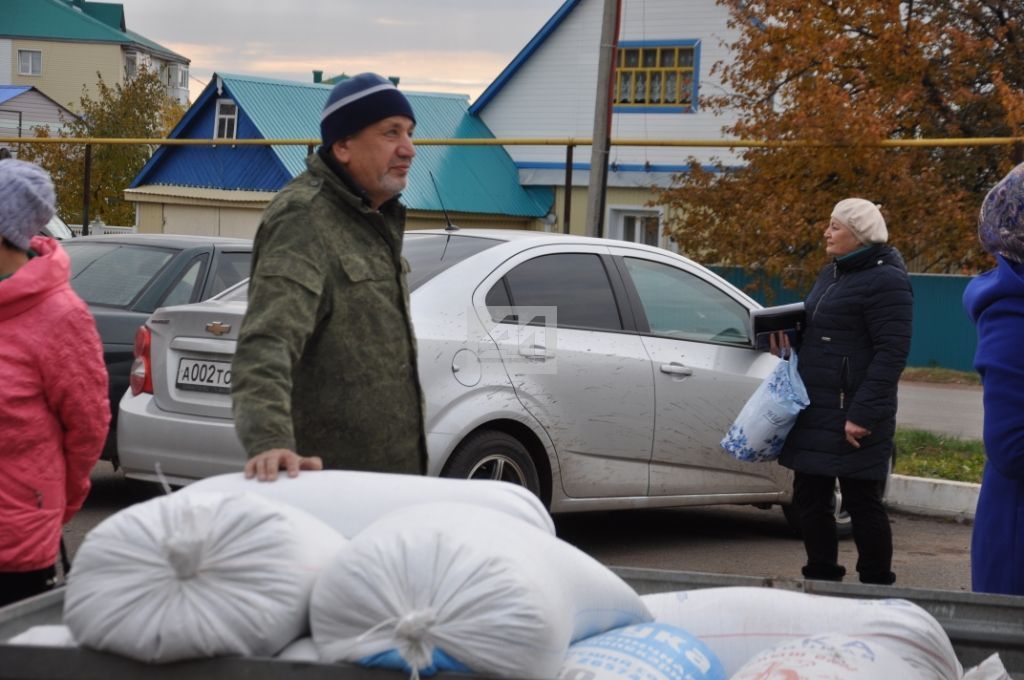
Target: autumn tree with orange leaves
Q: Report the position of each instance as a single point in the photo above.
(849, 72)
(139, 108)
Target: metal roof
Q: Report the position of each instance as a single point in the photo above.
(61, 20)
(8, 92)
(481, 179)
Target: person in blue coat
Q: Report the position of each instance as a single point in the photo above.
(995, 303)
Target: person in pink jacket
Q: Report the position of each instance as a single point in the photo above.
(53, 387)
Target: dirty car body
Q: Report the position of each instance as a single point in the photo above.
(600, 374)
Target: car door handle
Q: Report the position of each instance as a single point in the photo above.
(534, 352)
(676, 369)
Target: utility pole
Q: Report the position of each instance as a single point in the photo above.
(602, 118)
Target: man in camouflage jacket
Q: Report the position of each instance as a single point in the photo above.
(324, 374)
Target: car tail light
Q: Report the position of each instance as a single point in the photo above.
(142, 368)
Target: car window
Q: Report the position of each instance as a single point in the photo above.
(574, 283)
(231, 267)
(430, 254)
(113, 274)
(681, 305)
(182, 292)
(239, 293)
(499, 303)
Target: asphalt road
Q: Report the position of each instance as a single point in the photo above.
(929, 552)
(946, 409)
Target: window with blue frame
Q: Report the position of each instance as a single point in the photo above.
(656, 77)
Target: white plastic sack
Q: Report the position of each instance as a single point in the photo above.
(45, 636)
(451, 586)
(198, 575)
(349, 500)
(651, 651)
(991, 668)
(763, 423)
(829, 657)
(737, 623)
(302, 649)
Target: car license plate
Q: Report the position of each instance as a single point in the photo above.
(204, 376)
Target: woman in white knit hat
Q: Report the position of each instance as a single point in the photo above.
(853, 350)
(53, 387)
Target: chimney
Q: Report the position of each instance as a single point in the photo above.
(318, 76)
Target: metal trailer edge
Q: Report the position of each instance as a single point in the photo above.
(977, 624)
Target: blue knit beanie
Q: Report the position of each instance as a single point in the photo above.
(26, 201)
(1001, 223)
(360, 101)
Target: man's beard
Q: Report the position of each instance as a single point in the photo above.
(392, 184)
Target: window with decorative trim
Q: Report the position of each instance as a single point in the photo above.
(30, 63)
(656, 76)
(227, 119)
(183, 77)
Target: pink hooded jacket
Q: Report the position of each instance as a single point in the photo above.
(54, 410)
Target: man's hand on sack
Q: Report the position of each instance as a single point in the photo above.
(264, 466)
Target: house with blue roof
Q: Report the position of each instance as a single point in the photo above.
(666, 49)
(222, 189)
(58, 46)
(24, 108)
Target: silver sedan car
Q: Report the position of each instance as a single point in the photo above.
(599, 374)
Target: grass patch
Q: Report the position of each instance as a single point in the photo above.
(942, 376)
(924, 454)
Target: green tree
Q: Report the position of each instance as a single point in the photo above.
(847, 72)
(139, 108)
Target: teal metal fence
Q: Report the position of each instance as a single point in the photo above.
(943, 335)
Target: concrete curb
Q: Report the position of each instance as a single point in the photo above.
(932, 497)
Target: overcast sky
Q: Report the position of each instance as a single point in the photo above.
(432, 45)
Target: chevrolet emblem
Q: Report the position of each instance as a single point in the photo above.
(218, 328)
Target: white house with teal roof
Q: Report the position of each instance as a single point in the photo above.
(58, 47)
(665, 52)
(223, 189)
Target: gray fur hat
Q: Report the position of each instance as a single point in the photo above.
(26, 201)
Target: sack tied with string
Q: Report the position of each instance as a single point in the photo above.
(453, 586)
(764, 422)
(188, 576)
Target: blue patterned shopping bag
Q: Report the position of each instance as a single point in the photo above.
(760, 429)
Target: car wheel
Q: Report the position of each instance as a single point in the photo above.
(489, 454)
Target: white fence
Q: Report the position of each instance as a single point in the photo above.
(95, 229)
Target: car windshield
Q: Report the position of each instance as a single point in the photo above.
(113, 274)
(428, 256)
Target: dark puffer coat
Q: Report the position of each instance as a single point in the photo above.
(854, 349)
